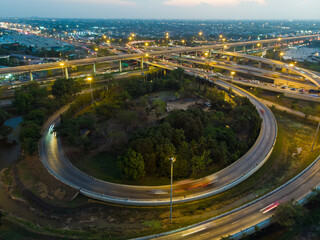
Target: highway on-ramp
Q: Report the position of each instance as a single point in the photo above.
(56, 162)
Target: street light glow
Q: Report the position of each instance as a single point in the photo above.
(200, 33)
(96, 49)
(61, 64)
(89, 78)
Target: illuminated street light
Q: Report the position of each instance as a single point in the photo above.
(200, 33)
(147, 55)
(223, 39)
(220, 36)
(90, 80)
(62, 65)
(104, 36)
(232, 74)
(279, 39)
(258, 44)
(183, 41)
(146, 44)
(281, 55)
(172, 160)
(225, 46)
(206, 54)
(290, 65)
(130, 38)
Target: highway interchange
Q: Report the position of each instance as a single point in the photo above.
(56, 162)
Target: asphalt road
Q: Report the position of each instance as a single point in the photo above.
(251, 215)
(54, 159)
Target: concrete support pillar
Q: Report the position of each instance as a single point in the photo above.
(234, 49)
(228, 59)
(66, 73)
(141, 63)
(196, 54)
(244, 48)
(273, 68)
(31, 76)
(259, 65)
(120, 66)
(253, 47)
(94, 69)
(210, 53)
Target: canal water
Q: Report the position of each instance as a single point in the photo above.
(9, 149)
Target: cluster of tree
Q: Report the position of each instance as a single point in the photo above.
(33, 102)
(154, 81)
(197, 139)
(32, 96)
(63, 88)
(4, 131)
(75, 130)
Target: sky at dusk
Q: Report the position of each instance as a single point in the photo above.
(168, 9)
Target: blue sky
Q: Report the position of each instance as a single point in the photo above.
(172, 9)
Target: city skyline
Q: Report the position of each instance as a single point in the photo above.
(163, 9)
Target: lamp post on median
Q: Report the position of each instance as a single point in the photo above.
(90, 80)
(172, 159)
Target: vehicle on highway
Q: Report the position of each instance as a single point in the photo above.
(269, 207)
(262, 111)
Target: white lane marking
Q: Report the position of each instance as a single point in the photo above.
(235, 222)
(193, 232)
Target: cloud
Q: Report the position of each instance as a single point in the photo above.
(192, 3)
(111, 2)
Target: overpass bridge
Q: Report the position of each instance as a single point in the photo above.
(93, 61)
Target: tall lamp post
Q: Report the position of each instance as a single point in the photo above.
(90, 80)
(62, 65)
(172, 159)
(232, 74)
(281, 55)
(290, 65)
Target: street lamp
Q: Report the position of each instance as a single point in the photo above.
(183, 41)
(281, 55)
(232, 74)
(290, 65)
(200, 33)
(96, 49)
(146, 44)
(62, 65)
(147, 54)
(90, 80)
(172, 160)
(206, 54)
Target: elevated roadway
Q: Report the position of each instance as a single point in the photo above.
(89, 61)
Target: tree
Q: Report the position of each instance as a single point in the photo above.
(307, 110)
(159, 106)
(3, 116)
(132, 165)
(65, 87)
(37, 116)
(288, 214)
